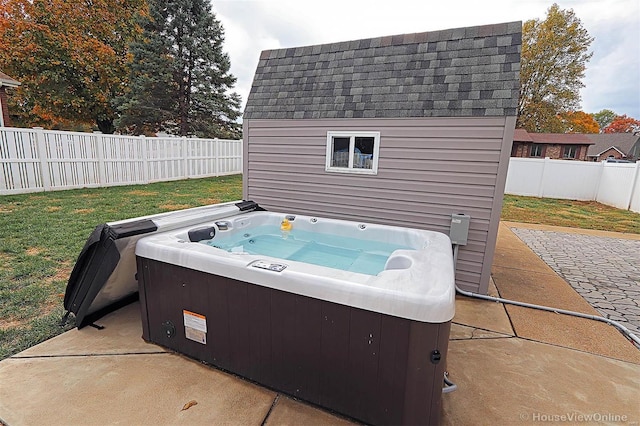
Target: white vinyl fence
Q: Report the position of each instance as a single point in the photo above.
(34, 160)
(614, 184)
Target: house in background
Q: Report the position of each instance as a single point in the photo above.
(565, 146)
(403, 130)
(5, 81)
(621, 146)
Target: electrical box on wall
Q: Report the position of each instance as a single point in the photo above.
(459, 231)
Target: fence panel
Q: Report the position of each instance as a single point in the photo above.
(71, 159)
(41, 160)
(576, 180)
(524, 177)
(634, 205)
(229, 157)
(122, 157)
(614, 184)
(165, 159)
(201, 158)
(20, 169)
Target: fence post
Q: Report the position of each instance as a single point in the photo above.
(241, 155)
(541, 185)
(634, 185)
(216, 157)
(597, 193)
(185, 161)
(44, 160)
(102, 178)
(145, 159)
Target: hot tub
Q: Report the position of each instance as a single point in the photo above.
(353, 317)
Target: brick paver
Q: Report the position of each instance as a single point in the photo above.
(605, 271)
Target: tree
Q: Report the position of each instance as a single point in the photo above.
(180, 79)
(579, 122)
(623, 124)
(71, 57)
(553, 61)
(604, 117)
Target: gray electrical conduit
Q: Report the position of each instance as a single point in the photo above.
(450, 386)
(634, 339)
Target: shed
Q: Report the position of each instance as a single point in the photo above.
(404, 130)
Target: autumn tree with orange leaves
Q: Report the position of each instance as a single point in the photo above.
(70, 56)
(623, 124)
(579, 122)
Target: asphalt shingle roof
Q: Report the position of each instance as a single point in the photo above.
(462, 72)
(603, 141)
(521, 135)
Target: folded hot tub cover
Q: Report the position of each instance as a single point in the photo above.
(96, 262)
(104, 276)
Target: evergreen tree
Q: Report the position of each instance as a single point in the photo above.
(180, 79)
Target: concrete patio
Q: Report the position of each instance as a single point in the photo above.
(511, 365)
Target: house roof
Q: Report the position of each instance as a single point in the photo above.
(521, 135)
(5, 80)
(623, 142)
(461, 72)
(561, 138)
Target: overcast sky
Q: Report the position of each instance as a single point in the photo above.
(612, 78)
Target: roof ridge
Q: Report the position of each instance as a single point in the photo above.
(409, 38)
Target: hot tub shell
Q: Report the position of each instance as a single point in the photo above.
(369, 347)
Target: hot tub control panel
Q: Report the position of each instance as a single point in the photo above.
(276, 267)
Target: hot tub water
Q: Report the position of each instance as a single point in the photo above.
(332, 251)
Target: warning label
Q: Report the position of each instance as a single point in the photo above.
(193, 320)
(195, 335)
(195, 327)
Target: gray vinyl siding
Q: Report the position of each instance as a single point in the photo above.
(428, 169)
(444, 103)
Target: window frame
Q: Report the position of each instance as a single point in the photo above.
(566, 149)
(536, 145)
(352, 137)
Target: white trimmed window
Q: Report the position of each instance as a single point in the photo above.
(569, 151)
(353, 152)
(536, 150)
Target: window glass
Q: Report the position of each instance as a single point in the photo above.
(340, 150)
(352, 152)
(363, 152)
(569, 151)
(536, 150)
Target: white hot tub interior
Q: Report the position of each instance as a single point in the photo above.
(395, 270)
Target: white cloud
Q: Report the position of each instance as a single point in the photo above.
(612, 78)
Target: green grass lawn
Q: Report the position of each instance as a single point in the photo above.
(41, 235)
(573, 214)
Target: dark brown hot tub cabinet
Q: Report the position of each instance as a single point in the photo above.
(373, 367)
